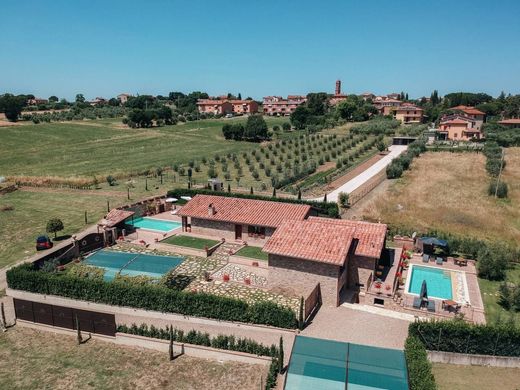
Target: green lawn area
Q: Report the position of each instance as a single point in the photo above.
(31, 359)
(254, 252)
(489, 291)
(190, 242)
(456, 377)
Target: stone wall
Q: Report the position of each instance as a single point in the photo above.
(473, 360)
(226, 230)
(360, 271)
(303, 275)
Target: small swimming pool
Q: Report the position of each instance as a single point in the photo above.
(438, 281)
(132, 264)
(154, 224)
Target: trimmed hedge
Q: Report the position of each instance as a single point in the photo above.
(462, 337)
(400, 164)
(157, 298)
(329, 209)
(229, 343)
(420, 376)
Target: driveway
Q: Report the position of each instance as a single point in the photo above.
(370, 172)
(354, 326)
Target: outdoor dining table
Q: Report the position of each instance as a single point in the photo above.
(449, 303)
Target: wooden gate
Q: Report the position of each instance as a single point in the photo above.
(65, 317)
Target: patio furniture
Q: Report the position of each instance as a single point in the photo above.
(439, 261)
(425, 258)
(460, 262)
(417, 302)
(450, 305)
(431, 306)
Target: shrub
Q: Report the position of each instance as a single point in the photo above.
(54, 225)
(111, 180)
(493, 261)
(343, 199)
(157, 298)
(394, 170)
(420, 374)
(499, 188)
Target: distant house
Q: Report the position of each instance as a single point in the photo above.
(278, 106)
(97, 101)
(215, 106)
(123, 98)
(367, 96)
(471, 112)
(408, 114)
(244, 106)
(385, 106)
(514, 122)
(36, 101)
(459, 128)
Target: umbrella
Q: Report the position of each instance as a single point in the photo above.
(186, 197)
(171, 200)
(424, 292)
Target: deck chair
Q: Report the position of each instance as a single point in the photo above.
(439, 261)
(425, 258)
(431, 306)
(417, 302)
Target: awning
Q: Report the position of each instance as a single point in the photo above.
(434, 241)
(186, 197)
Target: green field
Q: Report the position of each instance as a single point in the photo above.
(253, 252)
(489, 290)
(456, 377)
(103, 147)
(190, 242)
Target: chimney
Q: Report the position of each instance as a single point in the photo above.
(338, 87)
(211, 210)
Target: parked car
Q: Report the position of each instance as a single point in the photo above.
(43, 242)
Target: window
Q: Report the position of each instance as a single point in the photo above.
(255, 230)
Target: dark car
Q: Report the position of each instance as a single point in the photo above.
(43, 242)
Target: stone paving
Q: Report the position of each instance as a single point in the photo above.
(237, 273)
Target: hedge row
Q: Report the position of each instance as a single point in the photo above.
(157, 298)
(462, 337)
(229, 343)
(329, 209)
(420, 376)
(403, 162)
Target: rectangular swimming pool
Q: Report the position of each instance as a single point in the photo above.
(438, 281)
(154, 224)
(132, 264)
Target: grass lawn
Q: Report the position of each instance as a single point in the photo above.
(254, 252)
(448, 192)
(489, 291)
(190, 242)
(455, 377)
(102, 147)
(31, 359)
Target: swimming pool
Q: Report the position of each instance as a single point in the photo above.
(158, 225)
(438, 281)
(132, 264)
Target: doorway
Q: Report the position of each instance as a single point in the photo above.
(238, 232)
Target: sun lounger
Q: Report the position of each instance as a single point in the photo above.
(439, 261)
(417, 302)
(425, 258)
(431, 306)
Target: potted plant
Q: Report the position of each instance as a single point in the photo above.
(225, 277)
(247, 281)
(388, 290)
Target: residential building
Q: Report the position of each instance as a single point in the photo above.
(36, 101)
(278, 106)
(123, 97)
(514, 122)
(459, 128)
(244, 106)
(368, 96)
(385, 106)
(408, 114)
(217, 107)
(471, 112)
(97, 101)
(304, 251)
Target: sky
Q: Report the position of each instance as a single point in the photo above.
(258, 48)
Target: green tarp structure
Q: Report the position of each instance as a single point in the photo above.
(333, 365)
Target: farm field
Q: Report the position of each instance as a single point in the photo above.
(32, 359)
(455, 377)
(448, 192)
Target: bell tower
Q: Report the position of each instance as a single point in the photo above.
(338, 87)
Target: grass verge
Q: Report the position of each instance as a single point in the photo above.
(190, 242)
(253, 252)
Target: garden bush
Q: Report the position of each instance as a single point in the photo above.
(500, 188)
(26, 278)
(420, 376)
(462, 337)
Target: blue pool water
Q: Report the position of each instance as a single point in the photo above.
(438, 281)
(159, 225)
(132, 264)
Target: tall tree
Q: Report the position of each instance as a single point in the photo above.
(80, 98)
(256, 128)
(12, 105)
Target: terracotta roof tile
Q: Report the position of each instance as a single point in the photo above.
(513, 121)
(116, 216)
(468, 110)
(370, 236)
(244, 211)
(311, 240)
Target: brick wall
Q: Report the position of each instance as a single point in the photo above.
(303, 275)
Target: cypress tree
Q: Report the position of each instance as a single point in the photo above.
(300, 315)
(325, 198)
(170, 348)
(251, 190)
(146, 184)
(274, 192)
(78, 329)
(299, 194)
(280, 356)
(229, 187)
(2, 313)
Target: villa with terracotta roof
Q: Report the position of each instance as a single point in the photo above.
(278, 106)
(304, 250)
(227, 106)
(459, 127)
(408, 114)
(471, 112)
